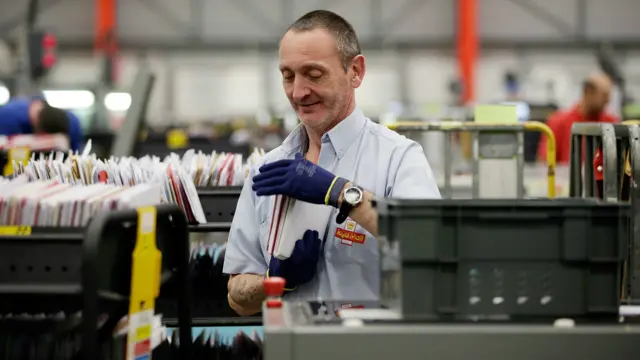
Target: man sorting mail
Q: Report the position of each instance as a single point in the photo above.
(305, 214)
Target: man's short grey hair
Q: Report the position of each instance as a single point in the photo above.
(341, 30)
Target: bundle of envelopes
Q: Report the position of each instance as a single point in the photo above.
(52, 203)
(219, 169)
(290, 219)
(86, 170)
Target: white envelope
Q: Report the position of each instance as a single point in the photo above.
(295, 218)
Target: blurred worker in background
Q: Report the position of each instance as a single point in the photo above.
(591, 108)
(34, 116)
(337, 159)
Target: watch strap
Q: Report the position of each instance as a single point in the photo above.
(343, 213)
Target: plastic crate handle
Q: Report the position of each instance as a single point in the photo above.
(513, 216)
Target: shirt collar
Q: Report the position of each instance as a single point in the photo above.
(341, 136)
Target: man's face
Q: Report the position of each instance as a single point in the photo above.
(318, 87)
(597, 100)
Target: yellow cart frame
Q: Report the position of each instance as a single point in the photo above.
(459, 126)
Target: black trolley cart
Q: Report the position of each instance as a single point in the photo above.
(49, 270)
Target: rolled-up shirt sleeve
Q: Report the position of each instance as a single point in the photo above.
(244, 254)
(413, 177)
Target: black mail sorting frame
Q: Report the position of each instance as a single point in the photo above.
(71, 271)
(219, 204)
(611, 178)
(209, 304)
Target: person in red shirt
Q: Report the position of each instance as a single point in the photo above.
(592, 107)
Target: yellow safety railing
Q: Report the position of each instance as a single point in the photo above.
(458, 126)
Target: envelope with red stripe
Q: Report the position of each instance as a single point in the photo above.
(290, 219)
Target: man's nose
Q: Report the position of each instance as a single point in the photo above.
(300, 89)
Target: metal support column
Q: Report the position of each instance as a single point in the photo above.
(125, 140)
(106, 43)
(447, 191)
(169, 105)
(498, 165)
(24, 83)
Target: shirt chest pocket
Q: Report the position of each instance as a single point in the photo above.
(350, 243)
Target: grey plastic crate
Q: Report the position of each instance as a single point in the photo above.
(502, 258)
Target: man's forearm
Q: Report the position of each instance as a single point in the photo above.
(365, 214)
(246, 293)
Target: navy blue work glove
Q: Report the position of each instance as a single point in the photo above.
(300, 267)
(299, 179)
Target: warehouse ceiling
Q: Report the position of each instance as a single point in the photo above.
(237, 24)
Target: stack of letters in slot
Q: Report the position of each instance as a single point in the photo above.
(51, 203)
(219, 169)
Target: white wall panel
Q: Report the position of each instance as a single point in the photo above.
(197, 92)
(490, 74)
(379, 88)
(75, 70)
(381, 84)
(276, 95)
(204, 86)
(160, 109)
(203, 92)
(243, 90)
(429, 74)
(566, 71)
(632, 70)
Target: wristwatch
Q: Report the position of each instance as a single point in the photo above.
(351, 198)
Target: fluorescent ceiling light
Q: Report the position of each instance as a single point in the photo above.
(117, 101)
(70, 99)
(5, 95)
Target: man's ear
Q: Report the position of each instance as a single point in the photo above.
(358, 68)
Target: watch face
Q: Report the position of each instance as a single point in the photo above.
(353, 195)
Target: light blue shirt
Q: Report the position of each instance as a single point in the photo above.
(370, 155)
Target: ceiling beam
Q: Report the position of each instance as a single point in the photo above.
(546, 16)
(190, 45)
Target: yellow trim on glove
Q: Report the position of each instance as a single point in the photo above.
(285, 289)
(328, 195)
